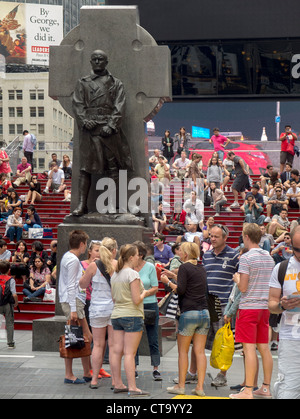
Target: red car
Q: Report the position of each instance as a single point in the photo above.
(256, 159)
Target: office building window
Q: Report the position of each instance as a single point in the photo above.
(11, 129)
(41, 128)
(41, 95)
(41, 163)
(19, 94)
(20, 129)
(20, 112)
(11, 112)
(11, 95)
(32, 112)
(32, 94)
(41, 111)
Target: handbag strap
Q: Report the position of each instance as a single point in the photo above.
(101, 267)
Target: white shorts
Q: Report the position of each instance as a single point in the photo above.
(99, 322)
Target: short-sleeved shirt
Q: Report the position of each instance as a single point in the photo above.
(5, 166)
(149, 279)
(258, 264)
(163, 256)
(285, 142)
(218, 140)
(220, 270)
(121, 293)
(290, 286)
(21, 168)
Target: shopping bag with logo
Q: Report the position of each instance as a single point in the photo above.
(223, 349)
(47, 233)
(35, 233)
(49, 293)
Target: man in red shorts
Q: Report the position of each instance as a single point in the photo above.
(252, 323)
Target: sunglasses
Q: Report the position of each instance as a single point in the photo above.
(225, 229)
(156, 240)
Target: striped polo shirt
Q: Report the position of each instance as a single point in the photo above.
(220, 270)
(258, 264)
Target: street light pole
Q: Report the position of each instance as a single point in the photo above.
(278, 119)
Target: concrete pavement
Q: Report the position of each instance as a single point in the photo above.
(39, 375)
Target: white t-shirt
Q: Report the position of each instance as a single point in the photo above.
(290, 191)
(68, 287)
(57, 176)
(289, 326)
(182, 164)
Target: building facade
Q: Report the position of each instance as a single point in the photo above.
(25, 104)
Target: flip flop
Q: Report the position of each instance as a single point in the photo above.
(77, 381)
(121, 390)
(138, 393)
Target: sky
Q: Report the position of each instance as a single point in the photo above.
(249, 117)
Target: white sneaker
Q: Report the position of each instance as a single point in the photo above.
(267, 220)
(217, 214)
(227, 209)
(235, 205)
(46, 191)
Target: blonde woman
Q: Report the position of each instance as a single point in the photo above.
(98, 274)
(127, 318)
(194, 321)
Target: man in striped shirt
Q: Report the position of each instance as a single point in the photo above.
(252, 323)
(220, 263)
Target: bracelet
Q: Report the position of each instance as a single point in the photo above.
(169, 284)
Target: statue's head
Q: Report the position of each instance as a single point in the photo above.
(99, 61)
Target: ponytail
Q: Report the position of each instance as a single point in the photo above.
(106, 259)
(126, 251)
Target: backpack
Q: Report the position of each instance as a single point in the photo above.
(6, 296)
(275, 318)
(33, 139)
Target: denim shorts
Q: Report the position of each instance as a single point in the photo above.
(192, 322)
(128, 324)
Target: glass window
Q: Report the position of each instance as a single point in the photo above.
(11, 95)
(32, 94)
(11, 129)
(41, 111)
(20, 112)
(19, 94)
(32, 111)
(11, 112)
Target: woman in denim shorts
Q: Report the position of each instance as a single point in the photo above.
(127, 318)
(194, 321)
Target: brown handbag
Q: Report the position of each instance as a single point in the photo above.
(74, 352)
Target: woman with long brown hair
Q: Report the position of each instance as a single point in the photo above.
(127, 319)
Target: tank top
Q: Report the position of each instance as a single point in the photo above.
(101, 299)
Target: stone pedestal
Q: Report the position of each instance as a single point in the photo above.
(46, 332)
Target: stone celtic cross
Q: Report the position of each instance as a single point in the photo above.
(134, 58)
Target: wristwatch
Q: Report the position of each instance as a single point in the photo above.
(281, 307)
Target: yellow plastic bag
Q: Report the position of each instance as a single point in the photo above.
(223, 349)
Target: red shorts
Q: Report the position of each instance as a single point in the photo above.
(252, 326)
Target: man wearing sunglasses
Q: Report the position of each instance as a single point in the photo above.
(285, 299)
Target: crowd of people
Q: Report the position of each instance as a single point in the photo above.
(113, 293)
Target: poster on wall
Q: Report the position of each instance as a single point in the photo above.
(27, 31)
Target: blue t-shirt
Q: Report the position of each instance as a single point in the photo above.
(149, 278)
(163, 256)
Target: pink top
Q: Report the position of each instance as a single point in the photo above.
(89, 289)
(5, 167)
(218, 141)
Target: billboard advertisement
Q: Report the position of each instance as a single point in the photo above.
(27, 31)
